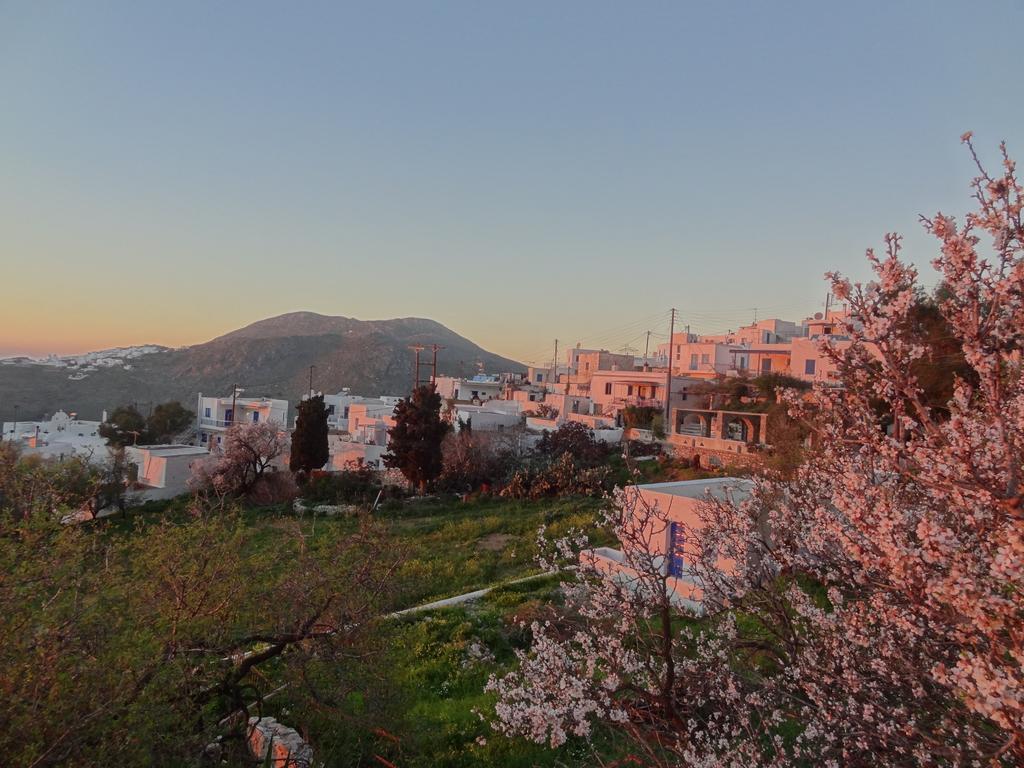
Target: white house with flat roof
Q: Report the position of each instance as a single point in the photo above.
(162, 471)
(216, 415)
(664, 533)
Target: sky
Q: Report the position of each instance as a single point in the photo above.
(520, 172)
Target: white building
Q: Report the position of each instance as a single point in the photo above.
(162, 471)
(339, 405)
(546, 378)
(62, 435)
(477, 389)
(664, 534)
(216, 415)
(363, 437)
(491, 415)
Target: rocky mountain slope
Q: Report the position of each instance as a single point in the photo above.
(268, 358)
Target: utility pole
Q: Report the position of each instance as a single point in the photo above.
(234, 398)
(433, 364)
(647, 346)
(554, 366)
(416, 348)
(668, 389)
(311, 369)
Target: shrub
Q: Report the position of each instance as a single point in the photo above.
(575, 439)
(356, 484)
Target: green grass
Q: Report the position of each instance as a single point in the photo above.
(416, 702)
(440, 682)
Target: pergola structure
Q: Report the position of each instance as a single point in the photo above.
(742, 426)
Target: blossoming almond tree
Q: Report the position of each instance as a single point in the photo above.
(249, 451)
(873, 609)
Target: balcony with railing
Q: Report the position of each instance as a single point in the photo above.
(210, 423)
(636, 401)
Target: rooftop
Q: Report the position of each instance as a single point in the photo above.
(718, 487)
(169, 449)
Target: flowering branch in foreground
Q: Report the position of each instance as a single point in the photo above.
(872, 612)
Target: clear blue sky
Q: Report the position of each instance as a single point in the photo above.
(517, 171)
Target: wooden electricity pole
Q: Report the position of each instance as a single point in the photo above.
(416, 348)
(668, 388)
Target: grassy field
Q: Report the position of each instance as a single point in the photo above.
(435, 664)
(415, 702)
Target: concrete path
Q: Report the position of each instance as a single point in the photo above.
(467, 597)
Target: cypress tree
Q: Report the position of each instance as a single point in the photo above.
(309, 443)
(415, 440)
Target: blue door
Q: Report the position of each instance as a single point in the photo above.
(229, 416)
(676, 542)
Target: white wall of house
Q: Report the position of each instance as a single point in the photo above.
(164, 470)
(490, 416)
(348, 453)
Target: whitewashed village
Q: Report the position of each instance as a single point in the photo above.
(617, 397)
(481, 385)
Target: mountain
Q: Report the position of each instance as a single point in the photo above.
(267, 358)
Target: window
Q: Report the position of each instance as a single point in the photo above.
(330, 410)
(809, 367)
(346, 413)
(676, 543)
(206, 413)
(629, 390)
(540, 377)
(608, 388)
(693, 361)
(202, 435)
(255, 416)
(705, 359)
(766, 365)
(586, 366)
(827, 329)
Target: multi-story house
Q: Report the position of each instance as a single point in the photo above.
(339, 405)
(694, 356)
(216, 415)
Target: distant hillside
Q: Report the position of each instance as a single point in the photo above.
(268, 358)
